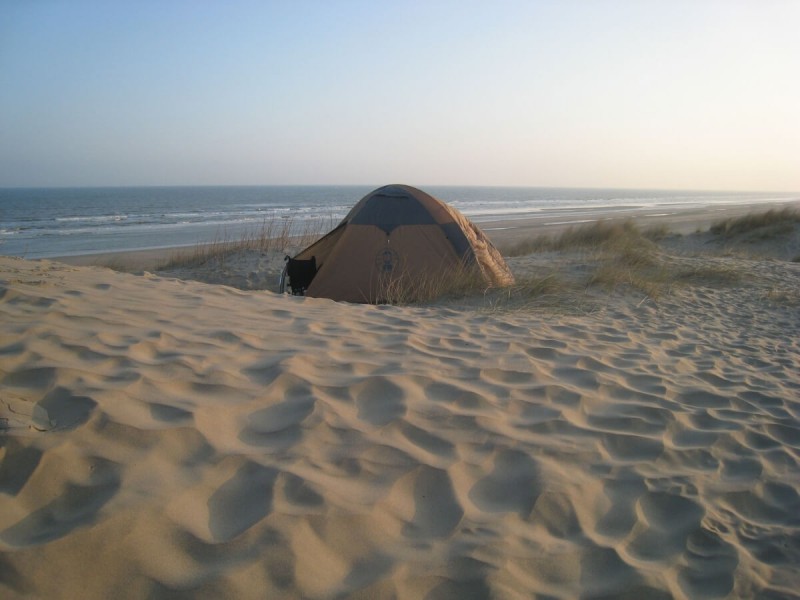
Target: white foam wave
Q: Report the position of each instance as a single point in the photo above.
(92, 219)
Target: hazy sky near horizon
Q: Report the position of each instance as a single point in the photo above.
(679, 94)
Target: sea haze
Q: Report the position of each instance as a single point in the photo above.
(41, 223)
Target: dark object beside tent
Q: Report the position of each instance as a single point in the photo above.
(299, 274)
(396, 237)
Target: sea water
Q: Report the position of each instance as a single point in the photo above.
(41, 223)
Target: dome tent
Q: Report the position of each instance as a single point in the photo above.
(394, 239)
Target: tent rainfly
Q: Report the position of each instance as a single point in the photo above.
(394, 239)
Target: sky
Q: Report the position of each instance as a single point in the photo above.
(673, 94)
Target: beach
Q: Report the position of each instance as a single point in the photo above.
(166, 434)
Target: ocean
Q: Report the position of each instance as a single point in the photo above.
(42, 223)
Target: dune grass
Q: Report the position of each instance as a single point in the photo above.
(619, 250)
(464, 286)
(759, 226)
(401, 288)
(619, 254)
(622, 236)
(273, 235)
(548, 291)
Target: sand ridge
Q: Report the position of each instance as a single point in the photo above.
(164, 437)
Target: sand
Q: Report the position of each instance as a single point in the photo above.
(168, 438)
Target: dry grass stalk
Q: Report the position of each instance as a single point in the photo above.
(603, 234)
(400, 288)
(273, 235)
(768, 224)
(622, 255)
(548, 291)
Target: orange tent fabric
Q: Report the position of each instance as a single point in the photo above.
(396, 237)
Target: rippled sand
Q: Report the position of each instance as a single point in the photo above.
(166, 438)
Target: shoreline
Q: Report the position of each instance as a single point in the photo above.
(502, 232)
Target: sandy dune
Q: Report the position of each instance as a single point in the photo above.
(167, 438)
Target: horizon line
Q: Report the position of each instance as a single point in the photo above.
(370, 185)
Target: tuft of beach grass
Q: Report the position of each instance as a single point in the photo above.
(619, 254)
(273, 235)
(402, 288)
(761, 226)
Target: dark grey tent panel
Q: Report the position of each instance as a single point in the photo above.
(388, 211)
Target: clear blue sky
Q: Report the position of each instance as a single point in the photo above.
(692, 94)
